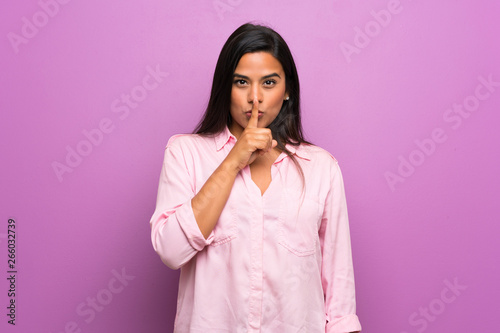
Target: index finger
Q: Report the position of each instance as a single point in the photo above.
(254, 118)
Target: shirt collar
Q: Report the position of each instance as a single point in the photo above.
(226, 136)
(299, 151)
(223, 138)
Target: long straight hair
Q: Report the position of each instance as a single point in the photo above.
(286, 128)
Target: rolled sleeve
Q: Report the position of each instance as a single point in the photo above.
(175, 234)
(337, 267)
(345, 324)
(189, 226)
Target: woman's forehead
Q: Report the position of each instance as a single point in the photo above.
(258, 63)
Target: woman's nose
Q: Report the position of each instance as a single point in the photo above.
(254, 93)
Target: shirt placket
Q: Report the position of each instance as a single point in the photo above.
(256, 251)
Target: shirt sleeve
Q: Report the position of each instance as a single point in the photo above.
(337, 267)
(175, 234)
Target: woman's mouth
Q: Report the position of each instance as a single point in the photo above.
(249, 114)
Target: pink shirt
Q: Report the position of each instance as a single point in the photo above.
(277, 262)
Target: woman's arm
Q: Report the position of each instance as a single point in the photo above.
(210, 200)
(337, 267)
(183, 220)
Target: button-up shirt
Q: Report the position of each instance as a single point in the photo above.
(275, 262)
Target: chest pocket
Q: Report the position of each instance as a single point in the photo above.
(300, 219)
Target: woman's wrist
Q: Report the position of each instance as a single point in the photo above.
(231, 166)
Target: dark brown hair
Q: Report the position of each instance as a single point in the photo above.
(248, 38)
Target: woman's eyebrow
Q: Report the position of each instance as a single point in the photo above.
(263, 78)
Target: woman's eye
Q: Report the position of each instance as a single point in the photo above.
(240, 82)
(269, 82)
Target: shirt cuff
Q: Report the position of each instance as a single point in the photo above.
(190, 227)
(345, 324)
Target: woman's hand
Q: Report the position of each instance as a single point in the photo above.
(253, 142)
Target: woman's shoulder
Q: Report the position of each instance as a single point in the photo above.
(184, 141)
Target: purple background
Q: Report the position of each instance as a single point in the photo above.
(436, 226)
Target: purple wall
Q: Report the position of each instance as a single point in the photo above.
(405, 94)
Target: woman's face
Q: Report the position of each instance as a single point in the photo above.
(258, 75)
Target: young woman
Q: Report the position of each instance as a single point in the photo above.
(254, 215)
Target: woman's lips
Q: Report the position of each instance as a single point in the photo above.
(249, 114)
